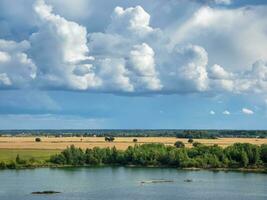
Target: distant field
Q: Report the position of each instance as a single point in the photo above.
(27, 148)
(120, 142)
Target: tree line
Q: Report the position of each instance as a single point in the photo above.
(239, 155)
(179, 133)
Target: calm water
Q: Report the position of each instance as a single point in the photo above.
(121, 183)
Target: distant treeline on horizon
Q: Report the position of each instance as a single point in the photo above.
(179, 133)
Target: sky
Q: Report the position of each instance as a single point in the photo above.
(133, 64)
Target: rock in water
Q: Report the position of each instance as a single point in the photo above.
(157, 181)
(46, 192)
(188, 180)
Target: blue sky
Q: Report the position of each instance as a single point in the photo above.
(133, 64)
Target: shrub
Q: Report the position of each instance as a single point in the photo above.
(196, 144)
(190, 140)
(58, 159)
(11, 165)
(32, 160)
(243, 154)
(20, 161)
(109, 139)
(134, 140)
(179, 144)
(38, 140)
(2, 165)
(263, 153)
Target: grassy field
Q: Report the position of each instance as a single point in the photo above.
(27, 148)
(7, 155)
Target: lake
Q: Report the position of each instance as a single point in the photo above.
(121, 183)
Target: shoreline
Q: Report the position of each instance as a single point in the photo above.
(52, 166)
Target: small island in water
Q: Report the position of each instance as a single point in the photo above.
(46, 192)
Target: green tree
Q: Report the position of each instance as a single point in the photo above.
(19, 160)
(3, 165)
(244, 159)
(179, 144)
(58, 159)
(196, 144)
(190, 140)
(109, 139)
(263, 153)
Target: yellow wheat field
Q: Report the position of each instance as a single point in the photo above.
(120, 142)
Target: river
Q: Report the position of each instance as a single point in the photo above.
(122, 183)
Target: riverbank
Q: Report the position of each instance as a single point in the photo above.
(240, 156)
(53, 166)
(237, 156)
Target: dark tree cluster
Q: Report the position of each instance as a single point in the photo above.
(109, 139)
(179, 133)
(201, 156)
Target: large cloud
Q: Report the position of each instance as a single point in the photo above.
(253, 80)
(132, 21)
(64, 61)
(141, 65)
(17, 70)
(59, 47)
(200, 54)
(234, 38)
(146, 61)
(185, 70)
(124, 59)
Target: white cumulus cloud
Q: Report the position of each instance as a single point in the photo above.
(226, 112)
(197, 55)
(17, 70)
(185, 70)
(58, 48)
(247, 111)
(212, 112)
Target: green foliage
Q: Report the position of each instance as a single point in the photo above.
(263, 153)
(109, 139)
(244, 159)
(20, 161)
(195, 144)
(3, 165)
(58, 159)
(11, 165)
(190, 140)
(179, 144)
(243, 154)
(201, 156)
(73, 156)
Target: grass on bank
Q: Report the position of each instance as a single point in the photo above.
(7, 155)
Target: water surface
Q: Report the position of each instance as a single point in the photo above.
(120, 183)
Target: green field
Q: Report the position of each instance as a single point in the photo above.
(7, 155)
